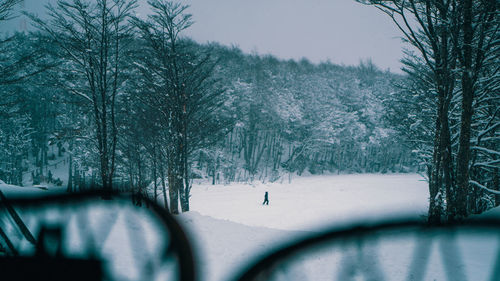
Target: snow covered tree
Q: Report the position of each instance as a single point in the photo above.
(454, 39)
(485, 165)
(299, 117)
(479, 38)
(92, 37)
(21, 59)
(179, 87)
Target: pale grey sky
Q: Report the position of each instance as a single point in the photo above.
(341, 31)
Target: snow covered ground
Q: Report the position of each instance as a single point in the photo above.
(313, 202)
(229, 226)
(14, 190)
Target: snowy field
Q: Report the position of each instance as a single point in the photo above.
(312, 202)
(231, 227)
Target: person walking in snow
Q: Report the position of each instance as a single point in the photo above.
(266, 199)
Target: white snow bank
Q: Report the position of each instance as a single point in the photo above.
(10, 190)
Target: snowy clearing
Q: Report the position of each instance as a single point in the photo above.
(313, 202)
(227, 243)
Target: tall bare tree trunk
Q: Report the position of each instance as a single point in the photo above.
(463, 157)
(70, 174)
(173, 191)
(435, 192)
(163, 185)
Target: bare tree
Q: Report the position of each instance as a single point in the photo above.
(425, 25)
(92, 36)
(180, 89)
(479, 36)
(6, 7)
(15, 65)
(454, 38)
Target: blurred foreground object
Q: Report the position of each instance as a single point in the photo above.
(398, 249)
(82, 237)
